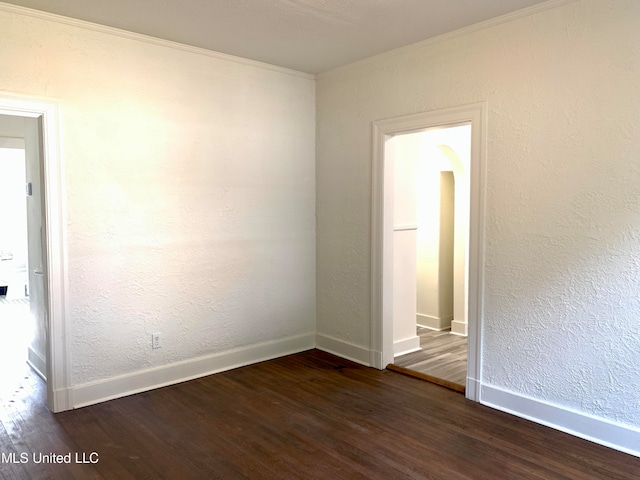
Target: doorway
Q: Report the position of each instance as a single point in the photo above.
(15, 318)
(431, 237)
(46, 268)
(383, 226)
(24, 309)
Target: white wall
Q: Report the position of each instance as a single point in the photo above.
(423, 261)
(13, 222)
(562, 223)
(405, 217)
(442, 149)
(190, 200)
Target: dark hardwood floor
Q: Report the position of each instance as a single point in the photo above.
(306, 416)
(442, 359)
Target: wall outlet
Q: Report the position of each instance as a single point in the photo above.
(155, 340)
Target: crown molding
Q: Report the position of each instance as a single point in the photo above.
(52, 17)
(476, 27)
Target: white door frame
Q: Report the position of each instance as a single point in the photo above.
(382, 231)
(55, 254)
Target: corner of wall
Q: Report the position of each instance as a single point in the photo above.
(343, 349)
(149, 379)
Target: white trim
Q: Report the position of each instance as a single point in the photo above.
(57, 354)
(405, 346)
(434, 323)
(613, 435)
(152, 378)
(405, 228)
(343, 349)
(52, 17)
(458, 327)
(476, 27)
(37, 363)
(382, 227)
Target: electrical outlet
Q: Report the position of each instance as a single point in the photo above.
(155, 340)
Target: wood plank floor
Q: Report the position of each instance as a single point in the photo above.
(442, 359)
(306, 416)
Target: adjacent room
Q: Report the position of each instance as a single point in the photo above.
(16, 320)
(430, 253)
(239, 214)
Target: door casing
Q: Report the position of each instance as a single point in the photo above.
(55, 253)
(381, 353)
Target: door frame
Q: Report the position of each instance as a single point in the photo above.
(381, 353)
(55, 251)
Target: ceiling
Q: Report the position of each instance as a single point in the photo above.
(307, 35)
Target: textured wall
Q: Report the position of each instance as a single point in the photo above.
(190, 194)
(561, 303)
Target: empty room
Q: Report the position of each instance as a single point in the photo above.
(205, 271)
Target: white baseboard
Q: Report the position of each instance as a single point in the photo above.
(148, 379)
(37, 363)
(597, 430)
(434, 323)
(343, 349)
(408, 345)
(458, 327)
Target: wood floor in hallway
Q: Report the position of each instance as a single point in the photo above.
(442, 359)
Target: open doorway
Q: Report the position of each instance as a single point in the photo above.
(431, 239)
(15, 317)
(45, 282)
(23, 306)
(384, 258)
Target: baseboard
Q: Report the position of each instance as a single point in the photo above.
(148, 379)
(597, 430)
(434, 323)
(37, 363)
(343, 349)
(408, 345)
(459, 327)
